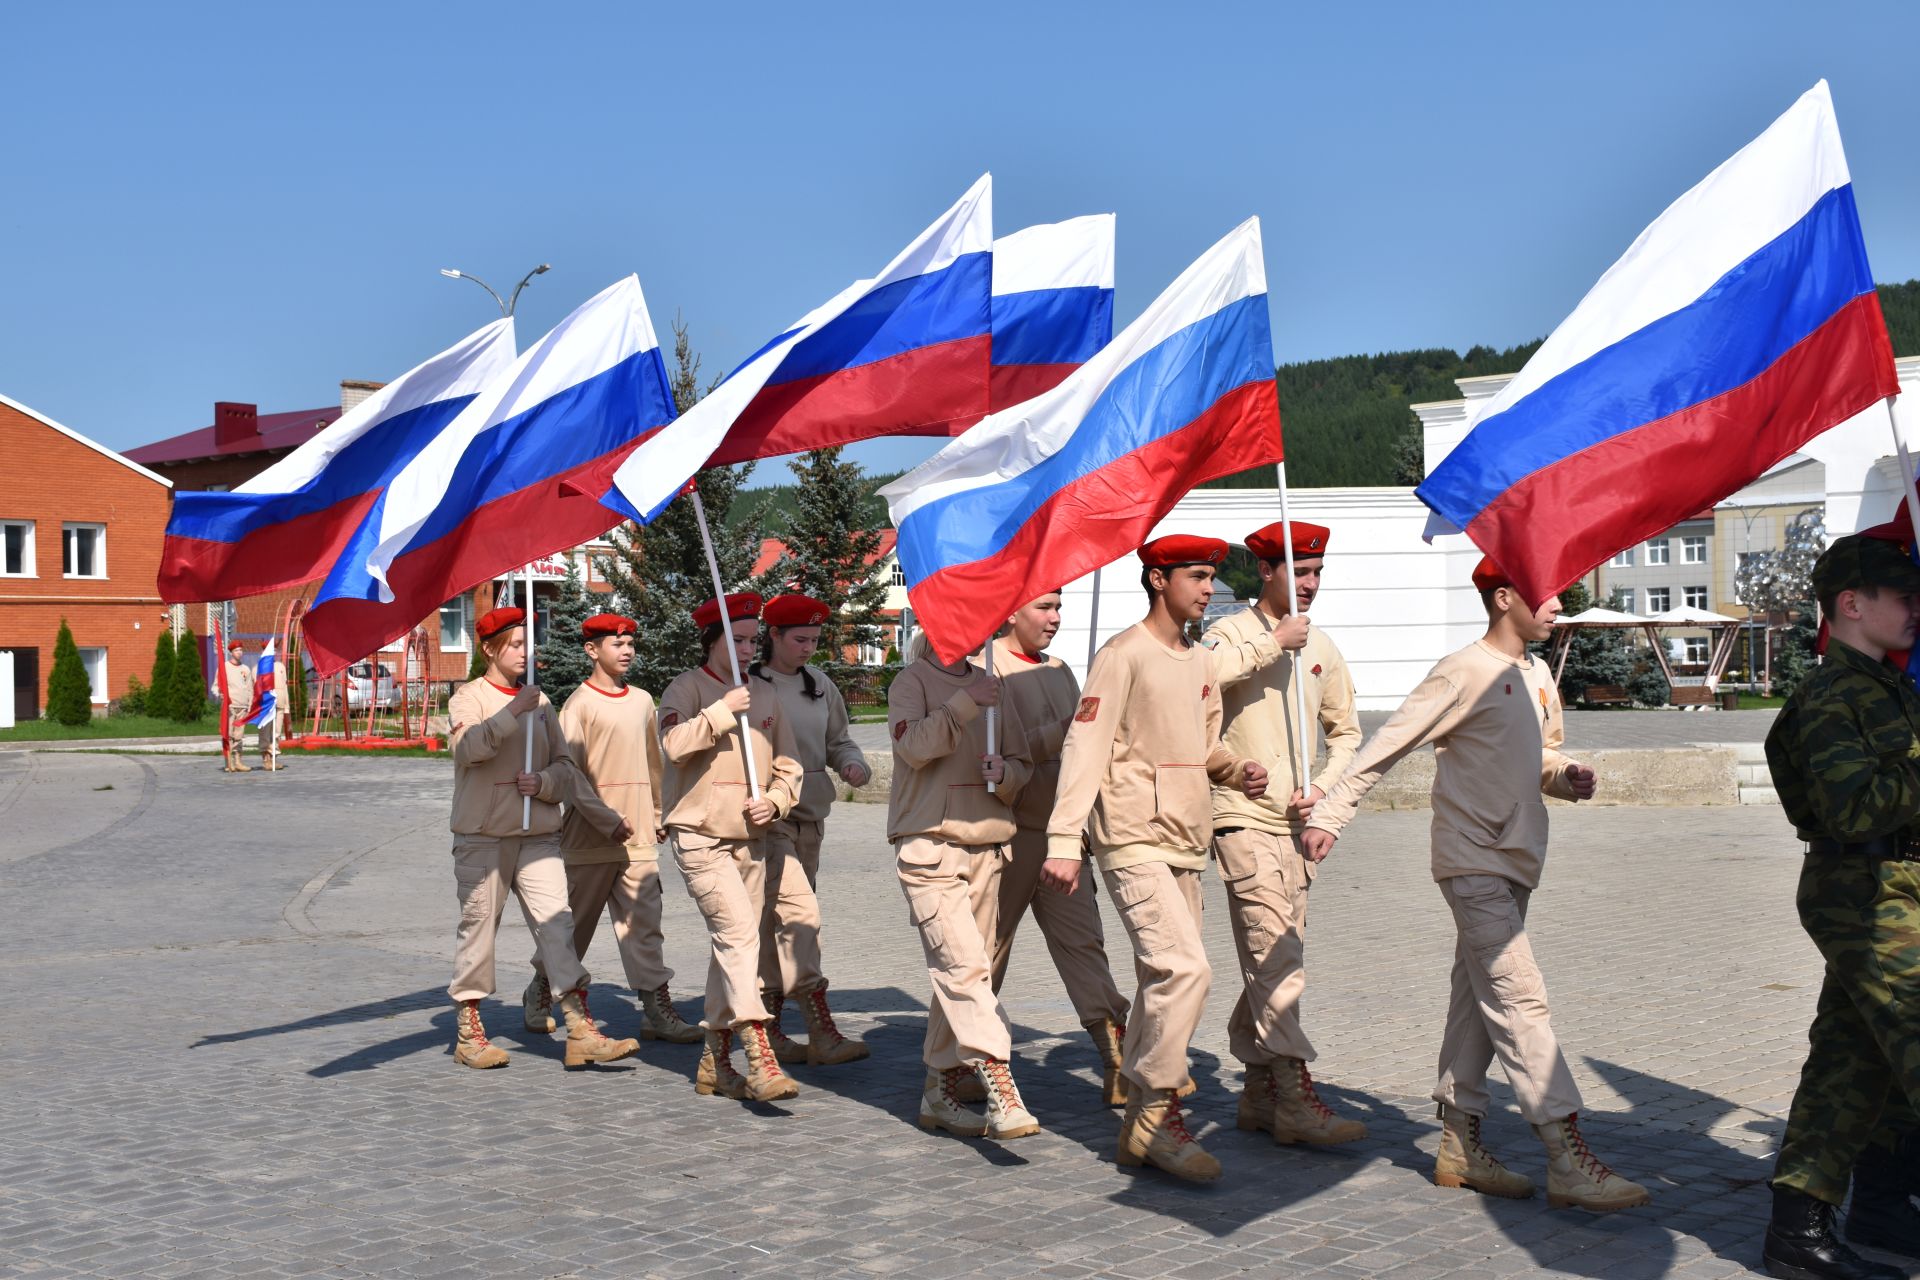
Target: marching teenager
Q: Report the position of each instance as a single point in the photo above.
(718, 831)
(494, 853)
(1493, 715)
(790, 926)
(1260, 655)
(611, 731)
(950, 819)
(1136, 777)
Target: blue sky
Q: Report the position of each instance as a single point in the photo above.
(251, 202)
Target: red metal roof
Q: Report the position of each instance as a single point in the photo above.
(278, 432)
(771, 549)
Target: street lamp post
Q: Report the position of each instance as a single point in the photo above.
(507, 304)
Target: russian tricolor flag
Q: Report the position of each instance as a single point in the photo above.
(1740, 325)
(288, 524)
(502, 484)
(905, 353)
(1047, 491)
(1052, 304)
(264, 700)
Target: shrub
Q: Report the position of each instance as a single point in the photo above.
(160, 680)
(69, 692)
(189, 687)
(1649, 686)
(134, 701)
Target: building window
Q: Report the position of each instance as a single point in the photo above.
(1625, 596)
(1696, 597)
(1622, 559)
(1696, 649)
(1657, 551)
(456, 625)
(95, 662)
(16, 549)
(1693, 550)
(85, 548)
(1659, 599)
(898, 576)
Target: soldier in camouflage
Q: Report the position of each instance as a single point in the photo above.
(1845, 758)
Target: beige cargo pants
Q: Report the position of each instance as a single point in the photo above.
(1266, 877)
(629, 893)
(790, 916)
(1161, 907)
(485, 870)
(727, 881)
(953, 900)
(1070, 923)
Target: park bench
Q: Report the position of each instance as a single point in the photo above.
(1690, 695)
(1606, 695)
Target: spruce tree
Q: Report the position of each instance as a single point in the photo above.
(833, 548)
(659, 571)
(564, 665)
(1595, 656)
(160, 682)
(69, 692)
(189, 701)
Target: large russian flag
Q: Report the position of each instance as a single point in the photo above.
(288, 524)
(1046, 491)
(905, 353)
(1741, 324)
(1052, 304)
(501, 485)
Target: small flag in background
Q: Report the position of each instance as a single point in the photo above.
(1049, 490)
(264, 702)
(1740, 325)
(288, 524)
(905, 353)
(500, 486)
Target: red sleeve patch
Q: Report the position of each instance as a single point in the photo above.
(899, 730)
(668, 719)
(1089, 710)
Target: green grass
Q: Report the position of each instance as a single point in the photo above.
(107, 727)
(1754, 702)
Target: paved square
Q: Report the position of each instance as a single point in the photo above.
(228, 1052)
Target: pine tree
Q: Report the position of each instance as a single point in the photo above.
(477, 665)
(69, 692)
(833, 547)
(1595, 656)
(564, 665)
(189, 701)
(296, 694)
(659, 571)
(160, 682)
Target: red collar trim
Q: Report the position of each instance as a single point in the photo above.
(1024, 656)
(709, 670)
(588, 684)
(502, 688)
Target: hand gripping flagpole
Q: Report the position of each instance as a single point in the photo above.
(533, 682)
(1299, 675)
(992, 717)
(726, 622)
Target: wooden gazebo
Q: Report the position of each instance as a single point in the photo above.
(1685, 617)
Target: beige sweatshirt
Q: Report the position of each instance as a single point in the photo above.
(1495, 726)
(1256, 691)
(1139, 758)
(489, 750)
(614, 740)
(822, 736)
(1044, 694)
(939, 735)
(706, 775)
(239, 688)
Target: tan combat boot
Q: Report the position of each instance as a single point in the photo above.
(239, 764)
(785, 1047)
(1007, 1116)
(1107, 1037)
(536, 1006)
(1257, 1098)
(826, 1047)
(659, 1020)
(1575, 1177)
(471, 1048)
(1153, 1131)
(716, 1073)
(766, 1082)
(940, 1104)
(585, 1045)
(226, 761)
(1298, 1113)
(1464, 1160)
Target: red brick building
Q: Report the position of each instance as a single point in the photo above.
(80, 535)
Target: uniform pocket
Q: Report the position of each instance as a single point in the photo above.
(1134, 897)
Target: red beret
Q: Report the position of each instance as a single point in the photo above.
(1179, 549)
(1899, 529)
(741, 604)
(794, 611)
(1487, 575)
(494, 621)
(607, 624)
(235, 644)
(1270, 543)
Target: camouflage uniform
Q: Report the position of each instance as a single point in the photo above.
(1845, 757)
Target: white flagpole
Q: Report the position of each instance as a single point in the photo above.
(992, 718)
(533, 682)
(726, 622)
(1093, 621)
(1906, 466)
(1299, 673)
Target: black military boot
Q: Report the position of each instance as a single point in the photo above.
(1882, 1215)
(1801, 1244)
